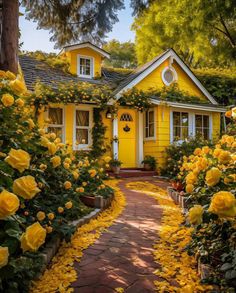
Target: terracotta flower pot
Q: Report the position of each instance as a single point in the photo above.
(115, 169)
(147, 167)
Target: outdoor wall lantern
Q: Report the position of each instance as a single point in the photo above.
(109, 114)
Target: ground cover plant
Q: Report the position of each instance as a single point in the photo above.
(41, 181)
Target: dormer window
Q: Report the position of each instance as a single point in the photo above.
(85, 66)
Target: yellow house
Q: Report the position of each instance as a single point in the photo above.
(132, 134)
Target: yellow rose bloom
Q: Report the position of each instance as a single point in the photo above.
(197, 152)
(10, 75)
(230, 178)
(52, 148)
(49, 229)
(79, 189)
(191, 178)
(206, 149)
(51, 216)
(228, 114)
(66, 165)
(9, 204)
(195, 215)
(44, 141)
(224, 157)
(7, 100)
(69, 205)
(56, 161)
(60, 210)
(4, 254)
(41, 216)
(84, 184)
(67, 185)
(213, 176)
(75, 175)
(67, 160)
(216, 152)
(19, 102)
(223, 203)
(107, 159)
(92, 173)
(18, 86)
(233, 110)
(25, 187)
(189, 188)
(43, 167)
(53, 135)
(18, 159)
(31, 123)
(33, 237)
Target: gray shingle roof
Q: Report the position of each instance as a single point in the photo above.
(35, 70)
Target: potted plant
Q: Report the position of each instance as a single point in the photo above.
(115, 166)
(149, 163)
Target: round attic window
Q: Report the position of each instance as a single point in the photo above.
(169, 75)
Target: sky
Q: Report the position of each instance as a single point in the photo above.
(34, 39)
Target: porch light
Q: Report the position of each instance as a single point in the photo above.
(108, 114)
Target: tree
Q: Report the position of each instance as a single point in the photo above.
(67, 20)
(202, 31)
(9, 11)
(122, 54)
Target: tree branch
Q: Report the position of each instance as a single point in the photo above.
(227, 33)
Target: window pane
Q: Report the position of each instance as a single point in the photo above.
(55, 115)
(198, 121)
(184, 119)
(82, 118)
(56, 130)
(206, 133)
(176, 118)
(151, 116)
(199, 132)
(146, 132)
(184, 132)
(176, 133)
(82, 136)
(151, 130)
(206, 121)
(87, 70)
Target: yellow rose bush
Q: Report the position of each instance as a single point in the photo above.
(38, 196)
(209, 179)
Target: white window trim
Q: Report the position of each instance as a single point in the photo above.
(85, 147)
(144, 125)
(91, 66)
(174, 74)
(57, 125)
(191, 125)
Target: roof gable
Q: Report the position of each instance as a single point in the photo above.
(143, 71)
(85, 45)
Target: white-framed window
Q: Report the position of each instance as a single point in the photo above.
(180, 125)
(83, 128)
(149, 126)
(169, 75)
(56, 121)
(85, 66)
(202, 126)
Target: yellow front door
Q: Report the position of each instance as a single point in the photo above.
(127, 137)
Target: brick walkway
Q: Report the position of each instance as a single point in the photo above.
(122, 257)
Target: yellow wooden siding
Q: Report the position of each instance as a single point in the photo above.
(97, 60)
(216, 120)
(156, 148)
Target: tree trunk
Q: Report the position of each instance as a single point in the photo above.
(9, 36)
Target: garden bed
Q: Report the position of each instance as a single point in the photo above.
(53, 245)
